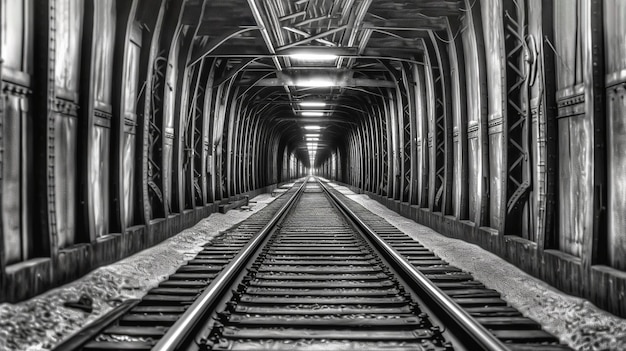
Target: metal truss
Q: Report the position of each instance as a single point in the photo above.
(155, 177)
(407, 96)
(194, 147)
(439, 142)
(384, 152)
(518, 132)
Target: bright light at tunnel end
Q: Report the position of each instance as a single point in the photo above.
(312, 127)
(312, 104)
(313, 57)
(321, 83)
(312, 113)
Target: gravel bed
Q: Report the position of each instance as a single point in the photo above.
(575, 321)
(41, 322)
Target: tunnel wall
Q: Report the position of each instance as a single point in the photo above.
(115, 135)
(511, 137)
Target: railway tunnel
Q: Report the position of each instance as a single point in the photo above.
(501, 123)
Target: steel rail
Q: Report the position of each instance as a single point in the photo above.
(479, 334)
(89, 332)
(177, 334)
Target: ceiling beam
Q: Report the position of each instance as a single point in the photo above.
(233, 71)
(241, 50)
(425, 7)
(307, 35)
(350, 82)
(319, 50)
(258, 17)
(315, 120)
(313, 37)
(292, 16)
(214, 43)
(413, 23)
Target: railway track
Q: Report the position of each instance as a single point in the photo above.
(316, 271)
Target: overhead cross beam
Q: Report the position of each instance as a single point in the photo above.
(307, 35)
(215, 43)
(312, 37)
(349, 82)
(258, 17)
(408, 23)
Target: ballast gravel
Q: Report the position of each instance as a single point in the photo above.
(575, 321)
(42, 321)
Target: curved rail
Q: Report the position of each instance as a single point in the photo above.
(474, 330)
(192, 316)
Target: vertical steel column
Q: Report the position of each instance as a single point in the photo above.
(546, 110)
(458, 110)
(123, 185)
(421, 121)
(154, 173)
(153, 179)
(518, 210)
(369, 141)
(151, 200)
(192, 136)
(204, 147)
(179, 118)
(386, 155)
(595, 98)
(437, 142)
(409, 135)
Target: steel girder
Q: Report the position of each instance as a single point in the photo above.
(517, 132)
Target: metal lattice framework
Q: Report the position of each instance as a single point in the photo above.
(222, 187)
(384, 153)
(439, 142)
(194, 154)
(368, 154)
(518, 132)
(407, 126)
(366, 37)
(187, 134)
(155, 179)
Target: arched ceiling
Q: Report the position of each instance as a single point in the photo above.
(342, 53)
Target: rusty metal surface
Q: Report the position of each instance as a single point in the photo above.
(537, 108)
(17, 48)
(616, 109)
(474, 116)
(68, 35)
(14, 181)
(615, 55)
(65, 179)
(494, 58)
(104, 27)
(568, 44)
(615, 41)
(574, 130)
(99, 179)
(574, 156)
(128, 179)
